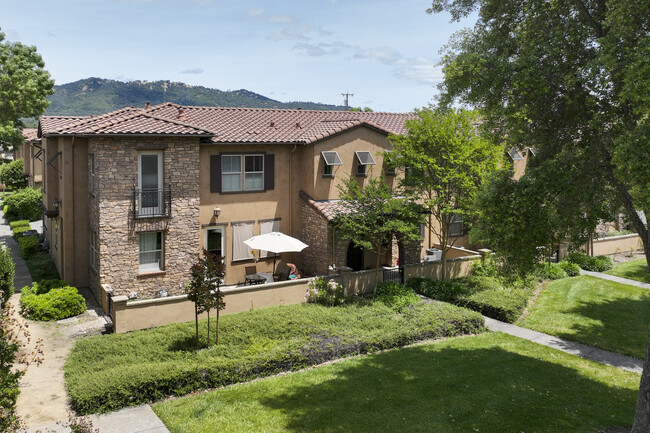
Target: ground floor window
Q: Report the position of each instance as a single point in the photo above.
(151, 249)
(240, 232)
(215, 241)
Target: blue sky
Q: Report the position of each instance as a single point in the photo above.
(383, 51)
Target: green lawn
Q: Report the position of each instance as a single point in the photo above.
(108, 372)
(596, 312)
(486, 383)
(634, 270)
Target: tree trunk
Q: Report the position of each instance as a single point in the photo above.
(443, 261)
(208, 328)
(642, 415)
(196, 322)
(217, 333)
(377, 262)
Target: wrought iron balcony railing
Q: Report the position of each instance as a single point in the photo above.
(152, 202)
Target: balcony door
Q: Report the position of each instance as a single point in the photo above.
(150, 182)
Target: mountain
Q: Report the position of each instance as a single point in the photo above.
(98, 96)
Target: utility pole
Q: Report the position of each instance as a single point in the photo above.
(346, 95)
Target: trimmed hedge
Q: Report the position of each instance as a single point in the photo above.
(51, 300)
(108, 372)
(550, 271)
(588, 263)
(19, 223)
(12, 174)
(29, 246)
(486, 295)
(18, 232)
(7, 269)
(24, 205)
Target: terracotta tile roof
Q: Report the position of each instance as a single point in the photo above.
(225, 125)
(329, 209)
(128, 121)
(30, 134)
(263, 125)
(49, 123)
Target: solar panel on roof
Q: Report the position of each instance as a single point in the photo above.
(331, 158)
(365, 158)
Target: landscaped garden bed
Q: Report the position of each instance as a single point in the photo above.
(593, 311)
(485, 383)
(109, 372)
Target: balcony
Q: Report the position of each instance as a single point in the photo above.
(152, 202)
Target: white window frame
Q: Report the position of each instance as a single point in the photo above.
(242, 173)
(221, 229)
(147, 267)
(94, 256)
(151, 210)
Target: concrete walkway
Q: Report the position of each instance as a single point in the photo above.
(582, 350)
(616, 279)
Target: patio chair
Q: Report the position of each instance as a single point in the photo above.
(252, 277)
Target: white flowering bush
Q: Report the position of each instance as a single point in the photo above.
(328, 293)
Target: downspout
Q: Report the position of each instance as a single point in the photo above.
(295, 146)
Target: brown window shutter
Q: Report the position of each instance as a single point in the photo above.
(269, 171)
(215, 173)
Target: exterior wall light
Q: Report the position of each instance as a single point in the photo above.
(217, 212)
(56, 202)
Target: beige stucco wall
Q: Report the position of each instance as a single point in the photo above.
(142, 314)
(617, 244)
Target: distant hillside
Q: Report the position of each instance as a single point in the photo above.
(98, 96)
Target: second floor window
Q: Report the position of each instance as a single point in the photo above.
(364, 158)
(233, 178)
(92, 176)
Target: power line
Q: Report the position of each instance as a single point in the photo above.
(346, 95)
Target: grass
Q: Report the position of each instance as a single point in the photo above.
(108, 372)
(487, 383)
(41, 267)
(593, 311)
(634, 270)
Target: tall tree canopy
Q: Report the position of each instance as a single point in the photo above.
(24, 86)
(570, 79)
(446, 162)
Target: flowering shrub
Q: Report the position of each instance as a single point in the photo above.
(328, 293)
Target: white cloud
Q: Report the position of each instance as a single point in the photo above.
(299, 32)
(193, 71)
(321, 49)
(385, 55)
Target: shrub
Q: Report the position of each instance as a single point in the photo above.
(5, 209)
(550, 271)
(571, 269)
(12, 174)
(18, 232)
(486, 295)
(594, 264)
(485, 268)
(20, 223)
(328, 293)
(25, 204)
(6, 276)
(29, 246)
(41, 302)
(396, 296)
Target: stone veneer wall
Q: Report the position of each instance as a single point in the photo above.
(317, 235)
(116, 161)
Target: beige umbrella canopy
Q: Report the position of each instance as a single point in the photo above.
(275, 242)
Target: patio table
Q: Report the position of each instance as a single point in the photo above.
(255, 279)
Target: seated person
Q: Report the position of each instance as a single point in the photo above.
(294, 272)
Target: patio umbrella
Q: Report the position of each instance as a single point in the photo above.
(275, 242)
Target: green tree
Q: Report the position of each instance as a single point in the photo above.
(372, 215)
(24, 86)
(204, 289)
(570, 79)
(446, 161)
(11, 174)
